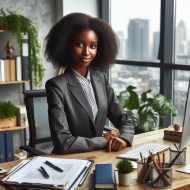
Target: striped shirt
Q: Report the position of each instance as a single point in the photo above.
(88, 91)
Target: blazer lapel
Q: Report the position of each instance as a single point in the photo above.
(77, 91)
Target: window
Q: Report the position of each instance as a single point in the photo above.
(137, 29)
(182, 37)
(147, 29)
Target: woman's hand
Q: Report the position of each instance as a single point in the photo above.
(113, 133)
(116, 144)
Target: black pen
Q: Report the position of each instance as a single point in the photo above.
(53, 166)
(43, 172)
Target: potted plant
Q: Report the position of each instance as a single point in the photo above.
(145, 110)
(125, 168)
(19, 25)
(8, 114)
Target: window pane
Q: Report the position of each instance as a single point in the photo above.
(144, 78)
(181, 81)
(138, 30)
(182, 37)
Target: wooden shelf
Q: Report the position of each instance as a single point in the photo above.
(13, 128)
(14, 82)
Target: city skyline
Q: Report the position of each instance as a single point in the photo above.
(144, 48)
(146, 9)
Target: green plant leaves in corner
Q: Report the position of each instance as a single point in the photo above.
(145, 109)
(164, 106)
(129, 98)
(19, 24)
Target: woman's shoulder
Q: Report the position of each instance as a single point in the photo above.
(99, 74)
(59, 79)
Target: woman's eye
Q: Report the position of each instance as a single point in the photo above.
(79, 44)
(93, 46)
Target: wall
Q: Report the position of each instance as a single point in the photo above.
(84, 6)
(43, 13)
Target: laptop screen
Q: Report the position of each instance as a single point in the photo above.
(185, 139)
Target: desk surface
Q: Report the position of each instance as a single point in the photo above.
(180, 180)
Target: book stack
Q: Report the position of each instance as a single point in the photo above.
(6, 146)
(104, 177)
(171, 134)
(11, 69)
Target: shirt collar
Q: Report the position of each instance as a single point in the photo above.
(80, 76)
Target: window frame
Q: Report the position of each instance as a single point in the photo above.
(167, 63)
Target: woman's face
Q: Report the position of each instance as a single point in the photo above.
(84, 49)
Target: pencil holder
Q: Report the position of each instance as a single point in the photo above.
(143, 172)
(161, 177)
(181, 160)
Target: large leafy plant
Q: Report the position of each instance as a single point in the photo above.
(19, 24)
(146, 110)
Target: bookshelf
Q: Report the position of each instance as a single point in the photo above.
(13, 128)
(7, 145)
(15, 82)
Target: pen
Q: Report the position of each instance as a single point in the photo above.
(53, 166)
(43, 172)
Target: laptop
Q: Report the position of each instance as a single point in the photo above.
(185, 138)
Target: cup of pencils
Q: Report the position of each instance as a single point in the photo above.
(181, 159)
(160, 172)
(143, 170)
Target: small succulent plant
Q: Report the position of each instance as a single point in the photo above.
(124, 166)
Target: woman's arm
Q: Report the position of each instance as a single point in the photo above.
(120, 120)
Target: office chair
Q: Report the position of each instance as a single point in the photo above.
(40, 141)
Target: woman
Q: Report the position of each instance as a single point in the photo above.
(80, 99)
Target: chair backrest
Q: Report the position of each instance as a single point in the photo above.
(37, 113)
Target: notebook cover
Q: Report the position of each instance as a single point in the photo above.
(9, 145)
(104, 177)
(2, 147)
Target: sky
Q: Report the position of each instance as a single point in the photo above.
(147, 9)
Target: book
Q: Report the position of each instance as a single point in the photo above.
(25, 59)
(104, 177)
(18, 68)
(12, 70)
(2, 70)
(171, 134)
(31, 173)
(9, 146)
(172, 137)
(22, 119)
(2, 147)
(7, 70)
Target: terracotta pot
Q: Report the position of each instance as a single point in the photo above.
(8, 122)
(124, 179)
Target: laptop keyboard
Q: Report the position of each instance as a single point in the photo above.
(144, 150)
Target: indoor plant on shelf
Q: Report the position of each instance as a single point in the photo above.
(8, 113)
(125, 168)
(145, 110)
(19, 25)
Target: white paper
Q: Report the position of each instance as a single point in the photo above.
(30, 172)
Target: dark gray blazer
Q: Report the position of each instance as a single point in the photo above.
(70, 116)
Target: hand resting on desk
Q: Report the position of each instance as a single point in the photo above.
(114, 142)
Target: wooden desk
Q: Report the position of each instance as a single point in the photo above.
(180, 180)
